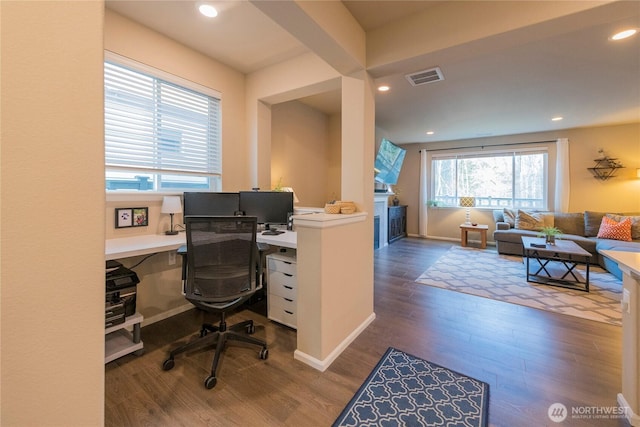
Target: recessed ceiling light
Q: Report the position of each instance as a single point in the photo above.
(208, 10)
(430, 132)
(383, 88)
(557, 119)
(624, 34)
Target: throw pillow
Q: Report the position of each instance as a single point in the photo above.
(635, 224)
(529, 221)
(614, 230)
(592, 221)
(510, 217)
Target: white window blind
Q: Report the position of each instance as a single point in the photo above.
(159, 129)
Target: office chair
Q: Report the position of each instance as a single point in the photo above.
(223, 271)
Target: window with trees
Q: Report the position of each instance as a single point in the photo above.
(515, 179)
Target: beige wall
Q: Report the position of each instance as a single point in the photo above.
(306, 152)
(52, 214)
(300, 151)
(621, 193)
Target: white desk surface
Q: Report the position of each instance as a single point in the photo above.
(125, 247)
(629, 259)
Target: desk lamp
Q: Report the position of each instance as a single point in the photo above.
(290, 190)
(468, 203)
(171, 205)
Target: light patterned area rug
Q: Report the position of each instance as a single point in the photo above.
(503, 277)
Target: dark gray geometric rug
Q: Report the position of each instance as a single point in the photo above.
(487, 274)
(404, 390)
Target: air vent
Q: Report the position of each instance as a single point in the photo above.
(425, 76)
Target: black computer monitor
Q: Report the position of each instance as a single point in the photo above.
(270, 207)
(216, 204)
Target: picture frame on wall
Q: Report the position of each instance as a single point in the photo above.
(140, 217)
(131, 217)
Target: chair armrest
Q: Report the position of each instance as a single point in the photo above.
(502, 226)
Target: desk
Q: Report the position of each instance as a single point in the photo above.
(125, 247)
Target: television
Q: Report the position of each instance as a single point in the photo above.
(270, 207)
(214, 204)
(388, 162)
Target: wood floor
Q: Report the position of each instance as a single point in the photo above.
(530, 358)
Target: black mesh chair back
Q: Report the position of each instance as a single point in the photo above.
(222, 260)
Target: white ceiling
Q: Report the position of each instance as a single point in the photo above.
(572, 71)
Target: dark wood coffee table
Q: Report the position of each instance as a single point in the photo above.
(556, 264)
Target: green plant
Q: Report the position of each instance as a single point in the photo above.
(549, 231)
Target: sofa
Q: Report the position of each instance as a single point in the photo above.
(580, 227)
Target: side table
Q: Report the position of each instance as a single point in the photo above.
(480, 228)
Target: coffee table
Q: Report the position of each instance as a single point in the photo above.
(556, 264)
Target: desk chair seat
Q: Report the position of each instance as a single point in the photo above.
(223, 270)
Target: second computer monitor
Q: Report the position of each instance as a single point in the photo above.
(271, 207)
(213, 204)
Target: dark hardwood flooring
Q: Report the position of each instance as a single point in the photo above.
(530, 358)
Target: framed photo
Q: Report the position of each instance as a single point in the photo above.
(140, 217)
(132, 217)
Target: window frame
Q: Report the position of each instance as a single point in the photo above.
(488, 202)
(214, 177)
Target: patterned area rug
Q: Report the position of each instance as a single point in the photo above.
(404, 390)
(503, 278)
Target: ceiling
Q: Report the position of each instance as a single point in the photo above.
(497, 86)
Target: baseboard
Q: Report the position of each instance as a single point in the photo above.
(449, 239)
(322, 365)
(166, 314)
(633, 418)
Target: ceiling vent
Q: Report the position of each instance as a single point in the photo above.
(425, 76)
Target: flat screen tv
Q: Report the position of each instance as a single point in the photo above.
(388, 162)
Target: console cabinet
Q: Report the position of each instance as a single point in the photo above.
(397, 222)
(282, 289)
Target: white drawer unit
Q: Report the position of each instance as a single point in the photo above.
(282, 288)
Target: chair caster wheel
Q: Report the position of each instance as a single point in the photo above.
(210, 382)
(264, 354)
(168, 364)
(251, 329)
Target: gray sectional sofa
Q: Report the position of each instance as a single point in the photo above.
(581, 227)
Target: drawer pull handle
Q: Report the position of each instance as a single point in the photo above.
(288, 312)
(288, 300)
(286, 262)
(287, 287)
(288, 275)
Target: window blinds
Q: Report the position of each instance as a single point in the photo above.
(155, 125)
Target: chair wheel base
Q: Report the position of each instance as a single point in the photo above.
(210, 382)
